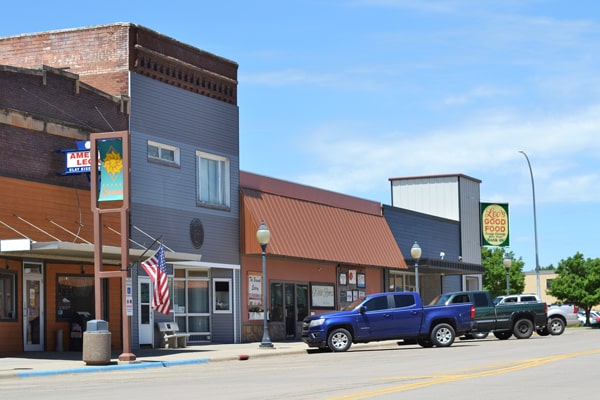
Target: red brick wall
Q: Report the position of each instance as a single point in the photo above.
(44, 115)
(98, 54)
(103, 55)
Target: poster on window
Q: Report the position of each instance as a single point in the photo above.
(361, 280)
(322, 295)
(352, 277)
(254, 291)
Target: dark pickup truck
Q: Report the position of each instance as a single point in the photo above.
(519, 319)
(388, 316)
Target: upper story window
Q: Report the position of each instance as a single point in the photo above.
(160, 152)
(212, 186)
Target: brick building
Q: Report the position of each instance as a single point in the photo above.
(43, 111)
(178, 104)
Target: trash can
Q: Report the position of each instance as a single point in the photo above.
(78, 325)
(96, 343)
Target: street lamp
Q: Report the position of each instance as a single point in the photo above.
(507, 263)
(415, 252)
(537, 260)
(263, 235)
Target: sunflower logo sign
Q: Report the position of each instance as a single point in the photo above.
(111, 170)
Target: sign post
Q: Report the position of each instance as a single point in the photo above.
(109, 161)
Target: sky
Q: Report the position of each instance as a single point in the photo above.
(344, 94)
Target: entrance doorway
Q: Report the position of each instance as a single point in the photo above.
(33, 306)
(145, 314)
(295, 307)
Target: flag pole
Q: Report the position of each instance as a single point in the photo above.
(148, 248)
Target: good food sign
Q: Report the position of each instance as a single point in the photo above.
(494, 224)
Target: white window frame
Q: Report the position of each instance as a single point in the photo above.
(164, 148)
(223, 191)
(182, 313)
(229, 308)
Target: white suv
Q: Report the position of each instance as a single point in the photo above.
(517, 298)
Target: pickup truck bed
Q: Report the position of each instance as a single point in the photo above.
(559, 316)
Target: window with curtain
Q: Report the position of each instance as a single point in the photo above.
(212, 180)
(191, 300)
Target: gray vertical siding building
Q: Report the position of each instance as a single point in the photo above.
(441, 213)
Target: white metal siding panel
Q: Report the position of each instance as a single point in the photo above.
(436, 196)
(470, 221)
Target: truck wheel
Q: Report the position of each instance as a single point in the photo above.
(503, 335)
(523, 329)
(339, 340)
(442, 335)
(556, 326)
(543, 331)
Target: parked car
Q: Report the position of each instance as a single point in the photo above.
(387, 316)
(566, 312)
(594, 318)
(517, 298)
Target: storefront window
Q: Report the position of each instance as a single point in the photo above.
(7, 296)
(74, 293)
(198, 297)
(396, 282)
(222, 295)
(191, 303)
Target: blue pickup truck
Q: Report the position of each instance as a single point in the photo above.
(388, 316)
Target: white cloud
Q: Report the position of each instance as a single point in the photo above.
(357, 159)
(477, 93)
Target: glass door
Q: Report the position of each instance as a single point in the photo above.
(296, 308)
(290, 310)
(145, 313)
(289, 305)
(33, 307)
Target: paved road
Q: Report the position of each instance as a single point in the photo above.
(540, 367)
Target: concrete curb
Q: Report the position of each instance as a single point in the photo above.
(103, 368)
(227, 354)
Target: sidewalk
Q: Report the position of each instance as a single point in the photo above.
(69, 362)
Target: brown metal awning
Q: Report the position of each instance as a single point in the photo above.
(314, 224)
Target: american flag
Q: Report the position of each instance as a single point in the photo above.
(156, 268)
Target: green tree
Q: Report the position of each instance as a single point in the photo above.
(494, 278)
(577, 282)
